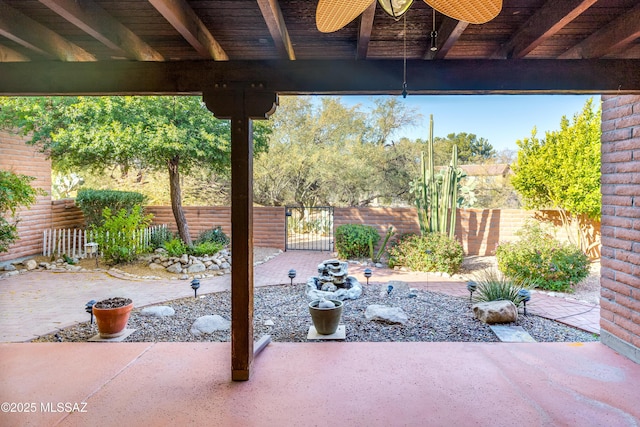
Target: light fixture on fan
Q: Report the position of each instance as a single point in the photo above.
(332, 15)
(395, 8)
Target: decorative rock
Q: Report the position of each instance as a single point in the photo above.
(496, 312)
(225, 265)
(326, 304)
(385, 313)
(196, 268)
(158, 311)
(209, 324)
(214, 267)
(30, 264)
(9, 267)
(184, 277)
(154, 266)
(379, 265)
(269, 322)
(175, 268)
(184, 259)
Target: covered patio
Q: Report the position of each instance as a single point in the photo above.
(240, 55)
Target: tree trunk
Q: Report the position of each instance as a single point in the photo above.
(176, 200)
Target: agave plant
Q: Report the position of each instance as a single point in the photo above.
(493, 286)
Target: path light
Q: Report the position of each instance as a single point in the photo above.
(88, 307)
(195, 285)
(389, 289)
(525, 296)
(292, 275)
(367, 274)
(471, 286)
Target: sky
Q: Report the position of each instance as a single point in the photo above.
(501, 119)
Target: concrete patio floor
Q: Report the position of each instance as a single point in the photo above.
(320, 384)
(297, 384)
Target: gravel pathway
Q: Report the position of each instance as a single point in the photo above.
(432, 317)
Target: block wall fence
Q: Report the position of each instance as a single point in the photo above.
(620, 277)
(20, 158)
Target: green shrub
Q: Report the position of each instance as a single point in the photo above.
(214, 235)
(175, 247)
(159, 237)
(205, 248)
(93, 202)
(492, 286)
(431, 252)
(539, 257)
(119, 236)
(352, 240)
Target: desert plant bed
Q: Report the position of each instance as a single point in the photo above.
(432, 317)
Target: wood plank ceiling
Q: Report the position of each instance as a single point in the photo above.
(181, 30)
(561, 37)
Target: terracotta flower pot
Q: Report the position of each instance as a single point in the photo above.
(326, 320)
(112, 321)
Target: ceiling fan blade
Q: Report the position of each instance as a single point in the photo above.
(331, 15)
(471, 11)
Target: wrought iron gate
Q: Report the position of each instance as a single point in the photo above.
(309, 229)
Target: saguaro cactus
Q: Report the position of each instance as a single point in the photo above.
(437, 193)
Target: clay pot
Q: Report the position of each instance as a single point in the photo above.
(112, 321)
(326, 320)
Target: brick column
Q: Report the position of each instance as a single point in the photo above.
(620, 295)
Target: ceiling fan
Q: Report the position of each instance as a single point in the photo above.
(332, 15)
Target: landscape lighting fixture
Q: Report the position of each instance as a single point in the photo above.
(525, 296)
(88, 307)
(471, 287)
(195, 285)
(292, 275)
(367, 274)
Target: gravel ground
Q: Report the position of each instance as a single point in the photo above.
(432, 317)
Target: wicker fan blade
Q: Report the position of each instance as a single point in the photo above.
(471, 11)
(331, 15)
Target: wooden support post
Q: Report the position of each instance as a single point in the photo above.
(241, 105)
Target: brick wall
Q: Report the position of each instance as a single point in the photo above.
(20, 158)
(479, 230)
(268, 222)
(620, 277)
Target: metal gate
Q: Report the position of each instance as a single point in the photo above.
(309, 229)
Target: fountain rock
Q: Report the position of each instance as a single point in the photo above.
(333, 282)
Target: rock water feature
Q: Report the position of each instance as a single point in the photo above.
(332, 282)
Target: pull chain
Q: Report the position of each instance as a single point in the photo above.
(404, 62)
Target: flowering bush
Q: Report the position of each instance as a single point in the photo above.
(542, 259)
(430, 252)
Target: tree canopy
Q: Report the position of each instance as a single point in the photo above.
(174, 134)
(562, 171)
(322, 152)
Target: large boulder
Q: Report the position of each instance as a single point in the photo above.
(196, 267)
(30, 264)
(386, 314)
(175, 268)
(209, 324)
(496, 311)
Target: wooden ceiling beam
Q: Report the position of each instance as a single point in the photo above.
(324, 77)
(448, 34)
(364, 32)
(272, 15)
(23, 30)
(547, 21)
(10, 55)
(185, 20)
(613, 38)
(96, 22)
